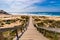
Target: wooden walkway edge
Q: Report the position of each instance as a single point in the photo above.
(32, 33)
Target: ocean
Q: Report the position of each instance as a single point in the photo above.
(39, 13)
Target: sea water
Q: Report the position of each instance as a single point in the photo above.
(39, 13)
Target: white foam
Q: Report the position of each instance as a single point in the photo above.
(32, 14)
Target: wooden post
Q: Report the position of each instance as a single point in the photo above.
(44, 32)
(17, 34)
(1, 36)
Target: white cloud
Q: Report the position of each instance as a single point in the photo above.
(21, 4)
(25, 5)
(7, 1)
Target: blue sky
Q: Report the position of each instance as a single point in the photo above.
(30, 5)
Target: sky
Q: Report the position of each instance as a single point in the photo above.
(30, 5)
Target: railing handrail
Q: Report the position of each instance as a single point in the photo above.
(50, 29)
(2, 29)
(15, 28)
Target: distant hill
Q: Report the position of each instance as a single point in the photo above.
(3, 12)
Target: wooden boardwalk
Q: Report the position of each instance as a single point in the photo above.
(32, 33)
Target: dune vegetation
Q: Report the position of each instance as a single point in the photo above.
(47, 22)
(15, 21)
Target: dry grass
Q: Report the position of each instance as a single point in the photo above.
(47, 21)
(12, 21)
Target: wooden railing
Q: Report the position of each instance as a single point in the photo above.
(15, 28)
(53, 32)
(49, 29)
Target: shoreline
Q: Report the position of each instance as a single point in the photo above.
(26, 14)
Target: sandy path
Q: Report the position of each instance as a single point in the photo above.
(32, 33)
